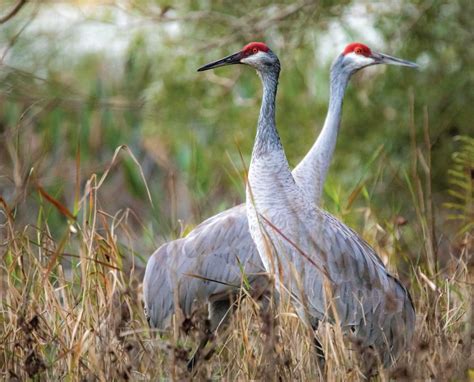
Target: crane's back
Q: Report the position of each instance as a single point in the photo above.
(204, 266)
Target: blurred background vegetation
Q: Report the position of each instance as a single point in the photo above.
(80, 78)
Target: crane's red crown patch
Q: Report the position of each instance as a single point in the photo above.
(357, 48)
(255, 47)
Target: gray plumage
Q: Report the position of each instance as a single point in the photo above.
(330, 271)
(219, 249)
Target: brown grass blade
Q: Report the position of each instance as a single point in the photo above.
(56, 203)
(114, 158)
(211, 280)
(300, 251)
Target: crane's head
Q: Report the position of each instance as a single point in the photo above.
(357, 56)
(255, 54)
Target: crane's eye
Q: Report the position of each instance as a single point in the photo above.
(254, 50)
(358, 50)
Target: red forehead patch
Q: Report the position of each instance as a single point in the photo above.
(255, 47)
(357, 48)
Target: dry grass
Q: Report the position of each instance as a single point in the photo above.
(71, 309)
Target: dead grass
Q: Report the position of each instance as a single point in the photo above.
(71, 309)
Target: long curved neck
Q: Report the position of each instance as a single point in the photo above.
(311, 172)
(267, 139)
(269, 176)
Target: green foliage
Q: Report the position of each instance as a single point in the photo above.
(461, 181)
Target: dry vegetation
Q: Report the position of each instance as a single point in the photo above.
(71, 309)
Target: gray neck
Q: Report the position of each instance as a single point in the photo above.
(267, 139)
(339, 80)
(311, 172)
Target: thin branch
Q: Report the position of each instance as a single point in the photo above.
(15, 38)
(13, 12)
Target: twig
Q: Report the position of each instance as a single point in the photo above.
(13, 12)
(15, 38)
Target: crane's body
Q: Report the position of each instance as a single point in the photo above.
(326, 267)
(219, 249)
(307, 248)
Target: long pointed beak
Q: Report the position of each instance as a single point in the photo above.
(229, 60)
(381, 58)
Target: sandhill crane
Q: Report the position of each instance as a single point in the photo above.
(330, 272)
(221, 248)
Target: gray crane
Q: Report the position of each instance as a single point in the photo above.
(221, 248)
(330, 272)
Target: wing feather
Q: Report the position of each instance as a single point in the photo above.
(367, 298)
(219, 249)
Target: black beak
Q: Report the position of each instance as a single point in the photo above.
(381, 58)
(229, 60)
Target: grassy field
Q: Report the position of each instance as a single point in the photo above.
(71, 305)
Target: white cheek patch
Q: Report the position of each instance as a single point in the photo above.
(360, 59)
(253, 59)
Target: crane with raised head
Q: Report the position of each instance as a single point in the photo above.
(220, 250)
(328, 269)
